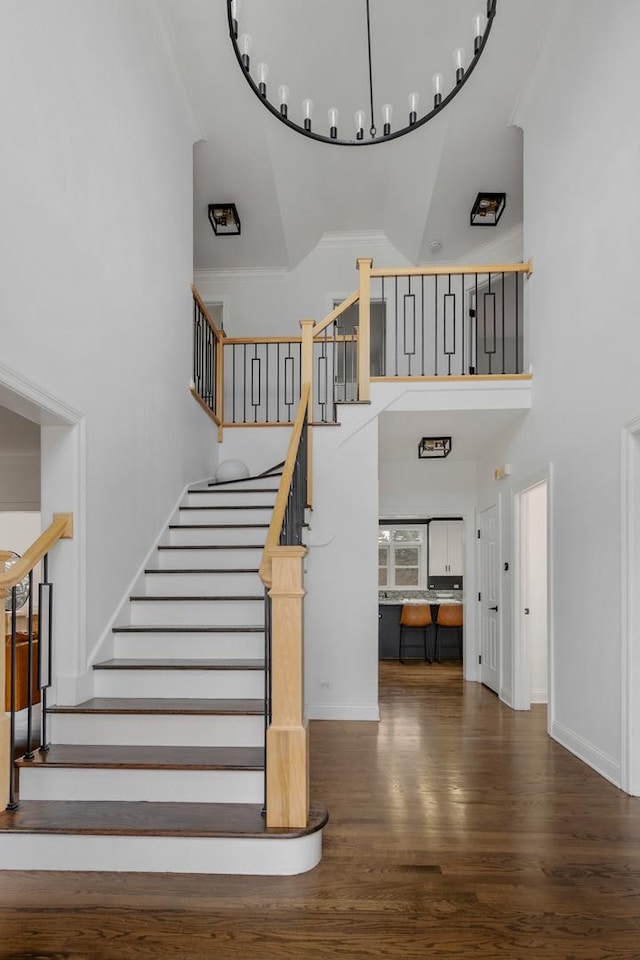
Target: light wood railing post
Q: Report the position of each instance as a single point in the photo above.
(306, 376)
(220, 383)
(288, 735)
(364, 266)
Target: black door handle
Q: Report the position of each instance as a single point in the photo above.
(493, 608)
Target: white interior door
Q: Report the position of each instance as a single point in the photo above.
(533, 591)
(489, 613)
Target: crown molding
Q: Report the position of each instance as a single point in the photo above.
(236, 274)
(506, 248)
(353, 238)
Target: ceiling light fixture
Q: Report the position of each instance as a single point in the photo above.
(224, 219)
(443, 89)
(434, 448)
(487, 209)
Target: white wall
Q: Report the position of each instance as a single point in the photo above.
(270, 303)
(96, 248)
(581, 161)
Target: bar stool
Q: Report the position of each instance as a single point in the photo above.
(416, 616)
(449, 616)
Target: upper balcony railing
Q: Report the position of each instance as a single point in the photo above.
(416, 323)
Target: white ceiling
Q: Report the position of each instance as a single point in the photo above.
(291, 190)
(473, 432)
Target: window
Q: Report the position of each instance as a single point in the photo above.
(402, 559)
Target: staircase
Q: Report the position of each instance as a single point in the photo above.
(163, 769)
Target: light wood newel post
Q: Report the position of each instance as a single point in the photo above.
(288, 736)
(220, 383)
(364, 266)
(306, 376)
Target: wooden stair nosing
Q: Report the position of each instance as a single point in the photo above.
(137, 757)
(248, 506)
(199, 570)
(164, 706)
(197, 628)
(218, 526)
(210, 546)
(138, 818)
(138, 598)
(136, 663)
(208, 490)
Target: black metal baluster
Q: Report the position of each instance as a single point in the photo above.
(233, 383)
(423, 326)
(278, 385)
(12, 805)
(29, 754)
(519, 354)
(396, 322)
(475, 327)
(463, 321)
(503, 328)
(44, 745)
(435, 327)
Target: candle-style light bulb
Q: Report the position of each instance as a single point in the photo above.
(263, 76)
(333, 122)
(283, 98)
(437, 81)
(387, 113)
(414, 99)
(307, 111)
(235, 6)
(458, 62)
(245, 50)
(478, 32)
(359, 118)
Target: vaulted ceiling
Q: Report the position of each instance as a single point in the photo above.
(290, 190)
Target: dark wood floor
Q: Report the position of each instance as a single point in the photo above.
(458, 829)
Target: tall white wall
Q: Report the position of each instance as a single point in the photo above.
(581, 161)
(96, 252)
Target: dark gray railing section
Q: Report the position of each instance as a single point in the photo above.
(450, 324)
(262, 381)
(205, 358)
(35, 645)
(294, 516)
(335, 370)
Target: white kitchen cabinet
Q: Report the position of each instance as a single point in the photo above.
(446, 548)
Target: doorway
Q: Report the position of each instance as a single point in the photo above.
(531, 600)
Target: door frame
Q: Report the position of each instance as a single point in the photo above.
(497, 503)
(630, 607)
(521, 673)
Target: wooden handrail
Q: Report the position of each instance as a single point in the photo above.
(455, 270)
(293, 339)
(328, 320)
(60, 529)
(277, 517)
(219, 334)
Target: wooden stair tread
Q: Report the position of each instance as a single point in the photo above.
(164, 705)
(218, 526)
(195, 570)
(183, 599)
(248, 490)
(133, 756)
(216, 628)
(245, 506)
(134, 818)
(123, 663)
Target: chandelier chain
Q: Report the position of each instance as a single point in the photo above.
(372, 129)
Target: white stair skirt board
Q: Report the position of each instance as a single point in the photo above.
(159, 785)
(186, 558)
(157, 730)
(226, 515)
(182, 535)
(231, 498)
(190, 646)
(197, 613)
(230, 855)
(216, 684)
(202, 584)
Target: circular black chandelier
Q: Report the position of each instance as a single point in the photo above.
(443, 93)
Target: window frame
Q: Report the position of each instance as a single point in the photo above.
(393, 546)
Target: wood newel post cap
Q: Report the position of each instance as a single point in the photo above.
(306, 323)
(365, 260)
(530, 266)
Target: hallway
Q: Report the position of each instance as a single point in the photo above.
(457, 829)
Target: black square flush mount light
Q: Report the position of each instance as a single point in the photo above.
(434, 448)
(224, 219)
(487, 209)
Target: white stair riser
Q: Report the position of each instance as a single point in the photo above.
(230, 498)
(220, 515)
(189, 646)
(214, 684)
(207, 559)
(201, 584)
(206, 855)
(199, 613)
(157, 730)
(183, 536)
(171, 786)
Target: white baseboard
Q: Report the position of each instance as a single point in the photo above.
(604, 764)
(74, 688)
(320, 711)
(540, 696)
